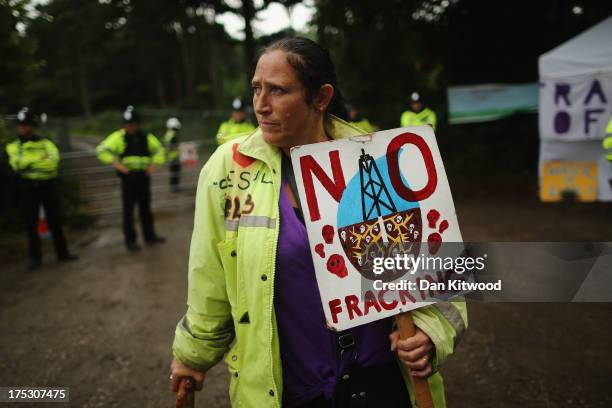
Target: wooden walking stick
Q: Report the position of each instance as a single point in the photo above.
(185, 397)
(422, 394)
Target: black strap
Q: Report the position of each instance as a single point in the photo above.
(289, 176)
(346, 341)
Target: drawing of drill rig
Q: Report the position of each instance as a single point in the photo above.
(384, 230)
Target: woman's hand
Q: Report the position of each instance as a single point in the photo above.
(415, 352)
(178, 370)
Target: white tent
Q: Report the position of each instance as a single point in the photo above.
(586, 54)
(576, 104)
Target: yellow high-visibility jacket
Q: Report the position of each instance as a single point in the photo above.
(34, 159)
(364, 125)
(171, 145)
(607, 142)
(231, 129)
(232, 264)
(135, 154)
(424, 117)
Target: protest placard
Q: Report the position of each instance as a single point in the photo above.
(188, 153)
(366, 201)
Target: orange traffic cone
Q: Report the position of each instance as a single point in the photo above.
(43, 227)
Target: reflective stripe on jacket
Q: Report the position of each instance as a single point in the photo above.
(424, 117)
(232, 264)
(231, 129)
(36, 159)
(115, 144)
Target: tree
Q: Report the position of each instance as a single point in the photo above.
(384, 50)
(16, 53)
(70, 35)
(381, 53)
(248, 11)
(100, 54)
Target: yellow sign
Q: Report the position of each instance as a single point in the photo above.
(562, 177)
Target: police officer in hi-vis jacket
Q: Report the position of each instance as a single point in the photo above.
(418, 114)
(171, 144)
(35, 159)
(134, 153)
(237, 125)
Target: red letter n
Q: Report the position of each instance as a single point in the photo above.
(335, 188)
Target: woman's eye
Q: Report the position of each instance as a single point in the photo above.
(256, 89)
(278, 91)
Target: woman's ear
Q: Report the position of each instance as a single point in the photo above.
(324, 97)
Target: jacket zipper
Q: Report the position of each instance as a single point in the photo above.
(276, 233)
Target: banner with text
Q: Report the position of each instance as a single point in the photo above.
(575, 108)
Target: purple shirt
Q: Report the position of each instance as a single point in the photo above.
(310, 353)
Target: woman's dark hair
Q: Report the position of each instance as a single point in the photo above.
(314, 68)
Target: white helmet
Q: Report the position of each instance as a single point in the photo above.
(173, 123)
(237, 104)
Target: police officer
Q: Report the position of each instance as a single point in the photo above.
(171, 142)
(134, 153)
(418, 114)
(237, 125)
(355, 118)
(34, 159)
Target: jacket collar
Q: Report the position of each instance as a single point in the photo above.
(33, 138)
(254, 146)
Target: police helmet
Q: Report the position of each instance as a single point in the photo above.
(237, 104)
(25, 116)
(130, 115)
(173, 123)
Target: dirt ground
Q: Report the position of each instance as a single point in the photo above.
(103, 326)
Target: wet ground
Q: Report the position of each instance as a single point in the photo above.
(103, 326)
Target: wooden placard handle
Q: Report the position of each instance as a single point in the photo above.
(184, 396)
(422, 394)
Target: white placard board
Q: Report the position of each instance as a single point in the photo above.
(351, 190)
(188, 153)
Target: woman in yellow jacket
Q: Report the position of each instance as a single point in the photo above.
(252, 289)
